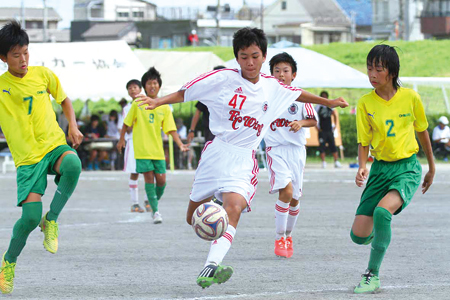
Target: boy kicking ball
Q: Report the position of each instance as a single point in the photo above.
(286, 156)
(37, 143)
(242, 105)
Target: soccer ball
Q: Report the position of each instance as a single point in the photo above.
(210, 221)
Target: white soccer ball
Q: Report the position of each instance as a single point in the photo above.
(210, 221)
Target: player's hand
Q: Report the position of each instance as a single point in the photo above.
(361, 176)
(338, 102)
(75, 136)
(190, 136)
(143, 100)
(120, 145)
(184, 147)
(427, 181)
(295, 126)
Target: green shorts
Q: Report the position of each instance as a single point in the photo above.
(33, 178)
(403, 175)
(148, 165)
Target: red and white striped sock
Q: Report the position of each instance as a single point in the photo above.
(281, 216)
(292, 219)
(134, 193)
(220, 247)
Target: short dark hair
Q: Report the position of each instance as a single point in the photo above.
(388, 58)
(283, 58)
(12, 35)
(245, 37)
(219, 68)
(324, 93)
(134, 81)
(151, 74)
(95, 118)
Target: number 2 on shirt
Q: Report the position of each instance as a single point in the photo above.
(30, 106)
(390, 133)
(234, 100)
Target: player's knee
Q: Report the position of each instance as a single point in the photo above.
(359, 240)
(189, 218)
(71, 165)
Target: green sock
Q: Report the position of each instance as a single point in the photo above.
(160, 191)
(382, 237)
(151, 195)
(31, 216)
(70, 170)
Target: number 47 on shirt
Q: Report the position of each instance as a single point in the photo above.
(234, 101)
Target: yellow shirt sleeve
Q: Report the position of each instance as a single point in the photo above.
(363, 127)
(131, 115)
(420, 122)
(169, 122)
(54, 87)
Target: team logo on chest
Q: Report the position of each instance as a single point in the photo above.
(265, 106)
(293, 109)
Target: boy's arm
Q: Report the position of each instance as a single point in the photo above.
(424, 140)
(75, 136)
(307, 97)
(297, 125)
(176, 97)
(121, 143)
(178, 141)
(194, 122)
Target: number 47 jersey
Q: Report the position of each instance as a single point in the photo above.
(240, 111)
(27, 118)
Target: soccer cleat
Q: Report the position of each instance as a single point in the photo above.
(148, 208)
(214, 274)
(289, 246)
(369, 284)
(136, 208)
(157, 219)
(337, 164)
(280, 248)
(7, 276)
(51, 232)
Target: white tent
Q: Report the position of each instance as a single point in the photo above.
(89, 70)
(178, 68)
(316, 70)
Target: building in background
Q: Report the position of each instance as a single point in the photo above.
(34, 23)
(397, 19)
(435, 19)
(305, 22)
(360, 14)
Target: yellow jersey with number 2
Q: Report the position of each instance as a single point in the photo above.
(388, 126)
(27, 117)
(147, 125)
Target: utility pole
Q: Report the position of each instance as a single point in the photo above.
(45, 39)
(262, 14)
(217, 22)
(406, 20)
(22, 15)
(353, 26)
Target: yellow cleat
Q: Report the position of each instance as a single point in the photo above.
(7, 276)
(51, 232)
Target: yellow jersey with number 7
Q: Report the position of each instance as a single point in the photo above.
(27, 118)
(388, 126)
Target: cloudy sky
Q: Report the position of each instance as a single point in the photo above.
(65, 7)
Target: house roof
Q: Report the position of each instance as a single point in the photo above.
(362, 8)
(116, 29)
(31, 14)
(325, 13)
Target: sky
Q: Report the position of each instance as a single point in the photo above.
(65, 7)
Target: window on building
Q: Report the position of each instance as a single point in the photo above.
(138, 14)
(283, 5)
(123, 14)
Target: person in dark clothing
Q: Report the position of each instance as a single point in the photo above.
(327, 118)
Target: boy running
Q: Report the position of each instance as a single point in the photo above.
(386, 120)
(134, 88)
(37, 143)
(242, 105)
(147, 140)
(286, 156)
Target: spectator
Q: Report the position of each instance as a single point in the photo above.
(325, 126)
(94, 131)
(182, 132)
(441, 137)
(112, 125)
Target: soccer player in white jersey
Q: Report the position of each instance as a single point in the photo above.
(286, 156)
(134, 88)
(242, 105)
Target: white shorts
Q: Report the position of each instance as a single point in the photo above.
(225, 168)
(286, 164)
(129, 164)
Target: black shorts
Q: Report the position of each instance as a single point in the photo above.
(324, 138)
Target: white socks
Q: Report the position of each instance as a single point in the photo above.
(281, 216)
(134, 193)
(220, 247)
(292, 219)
